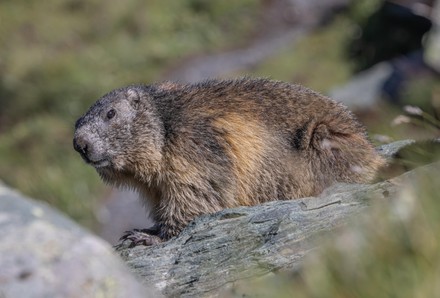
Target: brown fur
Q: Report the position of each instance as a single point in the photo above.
(198, 148)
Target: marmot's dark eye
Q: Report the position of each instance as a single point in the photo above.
(111, 114)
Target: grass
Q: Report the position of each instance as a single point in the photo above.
(316, 61)
(319, 60)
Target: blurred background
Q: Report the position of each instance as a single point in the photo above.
(58, 57)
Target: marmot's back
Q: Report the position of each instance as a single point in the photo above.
(280, 141)
(198, 148)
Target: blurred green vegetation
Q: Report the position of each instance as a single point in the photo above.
(316, 61)
(319, 61)
(58, 57)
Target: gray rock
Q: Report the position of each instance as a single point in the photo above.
(390, 150)
(44, 254)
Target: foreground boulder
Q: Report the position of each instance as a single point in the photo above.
(44, 254)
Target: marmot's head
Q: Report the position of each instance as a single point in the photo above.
(121, 132)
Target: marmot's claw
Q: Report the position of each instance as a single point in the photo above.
(138, 237)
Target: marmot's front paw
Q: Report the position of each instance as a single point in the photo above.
(138, 237)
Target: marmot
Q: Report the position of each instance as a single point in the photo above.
(191, 149)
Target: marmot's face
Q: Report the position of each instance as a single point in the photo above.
(104, 133)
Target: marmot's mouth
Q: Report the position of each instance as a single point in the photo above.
(100, 163)
(96, 163)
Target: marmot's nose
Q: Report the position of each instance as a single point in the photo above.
(80, 145)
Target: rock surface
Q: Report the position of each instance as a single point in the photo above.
(44, 254)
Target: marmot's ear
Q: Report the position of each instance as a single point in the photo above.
(133, 98)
